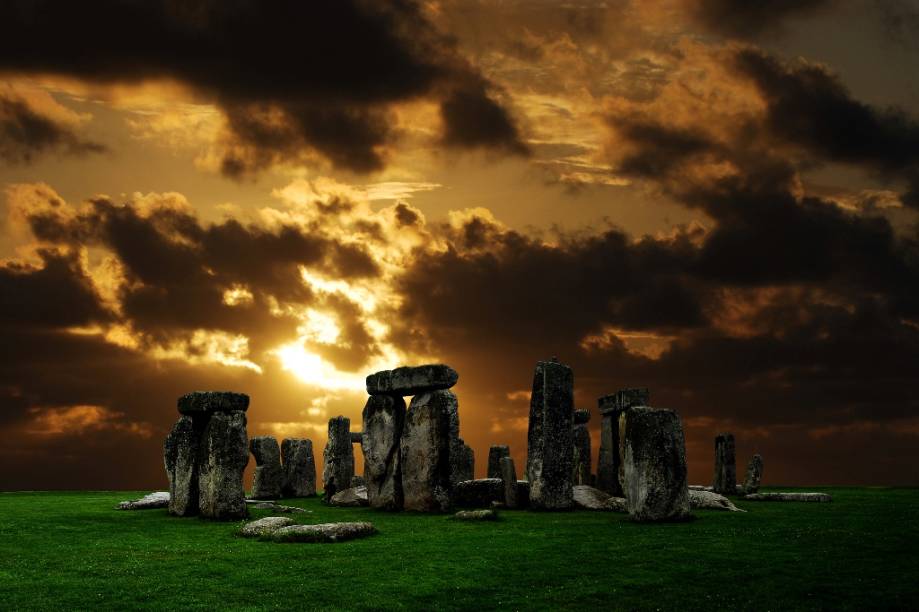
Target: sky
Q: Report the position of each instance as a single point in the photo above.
(713, 199)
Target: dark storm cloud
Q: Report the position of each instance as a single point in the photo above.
(290, 75)
(742, 19)
(25, 134)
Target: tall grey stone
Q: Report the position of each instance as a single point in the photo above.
(549, 439)
(725, 481)
(222, 457)
(654, 461)
(495, 454)
(581, 458)
(463, 463)
(180, 454)
(338, 458)
(383, 418)
(754, 475)
(425, 452)
(610, 474)
(509, 476)
(299, 467)
(269, 477)
(412, 380)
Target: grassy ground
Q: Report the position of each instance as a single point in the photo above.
(73, 551)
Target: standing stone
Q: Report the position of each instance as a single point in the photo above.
(754, 475)
(269, 477)
(610, 474)
(463, 463)
(180, 453)
(549, 439)
(222, 457)
(495, 454)
(412, 380)
(654, 458)
(383, 418)
(509, 476)
(425, 452)
(299, 467)
(338, 458)
(580, 474)
(725, 481)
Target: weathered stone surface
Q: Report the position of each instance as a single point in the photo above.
(350, 498)
(299, 467)
(523, 494)
(323, 532)
(268, 479)
(338, 458)
(205, 402)
(264, 526)
(357, 437)
(581, 454)
(150, 501)
(383, 420)
(509, 479)
(412, 380)
(222, 457)
(425, 452)
(581, 417)
(754, 475)
(180, 454)
(791, 497)
(725, 481)
(700, 488)
(476, 515)
(654, 458)
(617, 504)
(589, 498)
(549, 439)
(610, 473)
(462, 463)
(479, 493)
(276, 507)
(707, 500)
(495, 454)
(358, 481)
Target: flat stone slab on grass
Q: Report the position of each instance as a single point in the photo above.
(275, 507)
(591, 498)
(150, 501)
(412, 380)
(201, 402)
(476, 515)
(323, 532)
(350, 498)
(792, 497)
(264, 526)
(709, 500)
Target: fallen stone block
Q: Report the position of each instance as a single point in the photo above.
(323, 532)
(350, 498)
(790, 497)
(150, 501)
(708, 500)
(476, 515)
(264, 526)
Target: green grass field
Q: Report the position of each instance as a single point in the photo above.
(74, 551)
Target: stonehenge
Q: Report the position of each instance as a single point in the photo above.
(412, 380)
(383, 418)
(462, 459)
(754, 475)
(581, 459)
(725, 481)
(609, 466)
(299, 468)
(205, 455)
(481, 493)
(654, 464)
(425, 452)
(338, 458)
(549, 439)
(495, 454)
(509, 476)
(268, 480)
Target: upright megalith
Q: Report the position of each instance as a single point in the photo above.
(338, 458)
(654, 462)
(462, 460)
(725, 481)
(754, 475)
(223, 457)
(383, 420)
(299, 467)
(201, 461)
(268, 479)
(549, 439)
(509, 476)
(425, 452)
(413, 380)
(610, 473)
(581, 459)
(495, 455)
